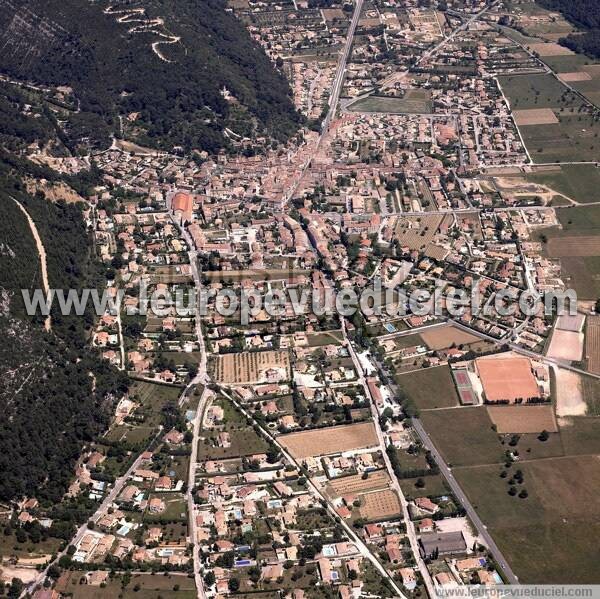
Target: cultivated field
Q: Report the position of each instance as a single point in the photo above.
(416, 101)
(330, 440)
(535, 116)
(561, 247)
(464, 436)
(379, 505)
(523, 419)
(251, 367)
(574, 76)
(592, 344)
(550, 49)
(551, 536)
(349, 485)
(429, 387)
(446, 336)
(418, 232)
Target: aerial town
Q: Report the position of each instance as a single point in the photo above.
(447, 145)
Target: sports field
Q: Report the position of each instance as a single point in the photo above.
(330, 440)
(507, 378)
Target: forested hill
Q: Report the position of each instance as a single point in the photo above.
(162, 64)
(57, 393)
(586, 15)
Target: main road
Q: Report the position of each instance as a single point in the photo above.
(410, 527)
(457, 490)
(464, 500)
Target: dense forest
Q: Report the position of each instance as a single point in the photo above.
(586, 15)
(115, 64)
(56, 393)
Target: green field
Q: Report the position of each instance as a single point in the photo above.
(244, 442)
(550, 536)
(580, 182)
(464, 436)
(175, 508)
(581, 273)
(430, 387)
(141, 585)
(434, 486)
(416, 101)
(536, 91)
(574, 138)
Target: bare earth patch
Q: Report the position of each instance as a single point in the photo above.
(566, 345)
(574, 76)
(380, 504)
(569, 396)
(330, 440)
(562, 247)
(535, 116)
(550, 49)
(523, 419)
(443, 337)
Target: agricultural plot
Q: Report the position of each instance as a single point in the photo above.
(580, 182)
(330, 440)
(580, 246)
(573, 138)
(446, 336)
(523, 419)
(550, 536)
(430, 387)
(592, 344)
(536, 91)
(252, 367)
(535, 116)
(418, 232)
(415, 101)
(379, 505)
(140, 585)
(350, 485)
(463, 436)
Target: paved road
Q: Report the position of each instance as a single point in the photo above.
(362, 547)
(410, 527)
(201, 594)
(101, 511)
(459, 493)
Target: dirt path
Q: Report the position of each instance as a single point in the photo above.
(42, 253)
